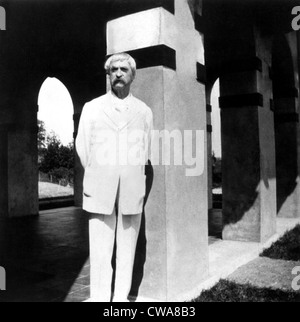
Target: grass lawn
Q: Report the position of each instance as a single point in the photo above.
(50, 190)
(226, 291)
(286, 248)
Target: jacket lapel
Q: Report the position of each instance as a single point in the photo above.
(131, 115)
(111, 118)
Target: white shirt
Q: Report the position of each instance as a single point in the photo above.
(121, 106)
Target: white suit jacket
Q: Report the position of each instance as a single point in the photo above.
(114, 155)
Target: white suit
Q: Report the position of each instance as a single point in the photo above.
(113, 143)
(99, 145)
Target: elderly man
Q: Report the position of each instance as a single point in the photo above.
(112, 144)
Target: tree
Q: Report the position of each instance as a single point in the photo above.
(66, 156)
(55, 155)
(41, 135)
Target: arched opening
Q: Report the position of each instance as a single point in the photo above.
(286, 127)
(215, 222)
(55, 145)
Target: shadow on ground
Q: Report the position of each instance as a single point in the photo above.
(46, 257)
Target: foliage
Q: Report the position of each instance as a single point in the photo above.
(287, 247)
(41, 135)
(55, 159)
(217, 171)
(226, 291)
(63, 175)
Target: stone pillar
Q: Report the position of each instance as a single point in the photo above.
(209, 156)
(211, 212)
(167, 49)
(3, 172)
(78, 169)
(22, 171)
(19, 170)
(286, 92)
(297, 41)
(248, 144)
(286, 129)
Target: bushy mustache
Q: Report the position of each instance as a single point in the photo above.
(118, 81)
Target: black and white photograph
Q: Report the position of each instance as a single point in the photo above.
(149, 153)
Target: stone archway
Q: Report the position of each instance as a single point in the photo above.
(55, 121)
(239, 53)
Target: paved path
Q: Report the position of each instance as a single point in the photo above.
(264, 272)
(46, 258)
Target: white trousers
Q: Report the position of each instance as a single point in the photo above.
(102, 232)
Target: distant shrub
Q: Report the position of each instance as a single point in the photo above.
(63, 176)
(55, 160)
(217, 172)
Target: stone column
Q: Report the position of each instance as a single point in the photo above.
(18, 162)
(286, 92)
(297, 40)
(167, 49)
(248, 143)
(209, 156)
(78, 169)
(3, 172)
(286, 129)
(211, 211)
(20, 172)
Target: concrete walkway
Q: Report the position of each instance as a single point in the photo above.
(47, 258)
(226, 257)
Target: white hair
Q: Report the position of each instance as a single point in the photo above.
(120, 57)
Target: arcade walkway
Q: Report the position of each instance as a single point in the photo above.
(46, 257)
